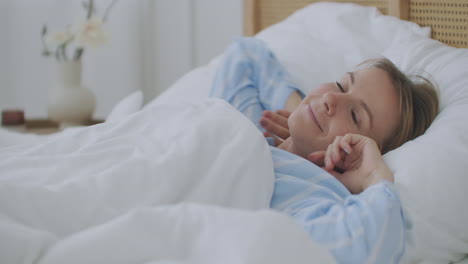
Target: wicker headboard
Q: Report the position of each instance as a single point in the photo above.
(447, 18)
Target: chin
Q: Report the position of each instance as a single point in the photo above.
(302, 144)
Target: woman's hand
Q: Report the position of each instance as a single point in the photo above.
(276, 124)
(355, 160)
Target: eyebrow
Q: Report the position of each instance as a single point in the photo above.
(362, 103)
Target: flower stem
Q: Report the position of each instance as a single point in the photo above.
(57, 53)
(45, 48)
(64, 54)
(90, 9)
(108, 9)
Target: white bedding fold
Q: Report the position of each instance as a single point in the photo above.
(190, 233)
(55, 190)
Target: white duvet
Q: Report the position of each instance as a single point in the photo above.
(173, 183)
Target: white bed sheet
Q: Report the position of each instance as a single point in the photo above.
(10, 138)
(118, 192)
(191, 233)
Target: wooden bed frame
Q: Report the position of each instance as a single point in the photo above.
(447, 18)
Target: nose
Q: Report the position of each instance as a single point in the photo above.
(329, 102)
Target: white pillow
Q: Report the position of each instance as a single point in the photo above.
(127, 106)
(322, 41)
(430, 171)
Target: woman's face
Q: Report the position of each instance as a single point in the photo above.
(363, 102)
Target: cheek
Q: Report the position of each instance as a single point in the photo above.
(341, 128)
(294, 122)
(296, 125)
(303, 136)
(322, 89)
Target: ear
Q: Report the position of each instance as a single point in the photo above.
(318, 158)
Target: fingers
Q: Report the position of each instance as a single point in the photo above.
(318, 158)
(276, 123)
(353, 139)
(283, 113)
(274, 129)
(280, 117)
(275, 138)
(345, 144)
(355, 160)
(328, 160)
(336, 153)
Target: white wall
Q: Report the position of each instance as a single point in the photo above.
(187, 34)
(4, 80)
(170, 27)
(217, 23)
(152, 43)
(111, 71)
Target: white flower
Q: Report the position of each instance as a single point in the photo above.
(90, 33)
(71, 44)
(59, 38)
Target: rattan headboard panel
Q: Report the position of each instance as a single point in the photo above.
(448, 19)
(269, 12)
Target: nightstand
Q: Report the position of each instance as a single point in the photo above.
(43, 126)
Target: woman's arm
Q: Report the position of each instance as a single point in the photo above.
(364, 228)
(251, 79)
(275, 123)
(367, 227)
(355, 160)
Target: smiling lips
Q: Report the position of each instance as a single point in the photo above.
(312, 115)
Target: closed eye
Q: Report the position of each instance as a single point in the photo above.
(340, 87)
(353, 115)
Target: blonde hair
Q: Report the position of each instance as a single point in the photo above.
(419, 102)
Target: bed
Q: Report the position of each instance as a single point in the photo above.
(127, 191)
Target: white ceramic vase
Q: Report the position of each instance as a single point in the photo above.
(69, 102)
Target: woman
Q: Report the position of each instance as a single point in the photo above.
(342, 127)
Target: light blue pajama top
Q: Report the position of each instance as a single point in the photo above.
(364, 228)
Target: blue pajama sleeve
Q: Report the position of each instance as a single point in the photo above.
(251, 79)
